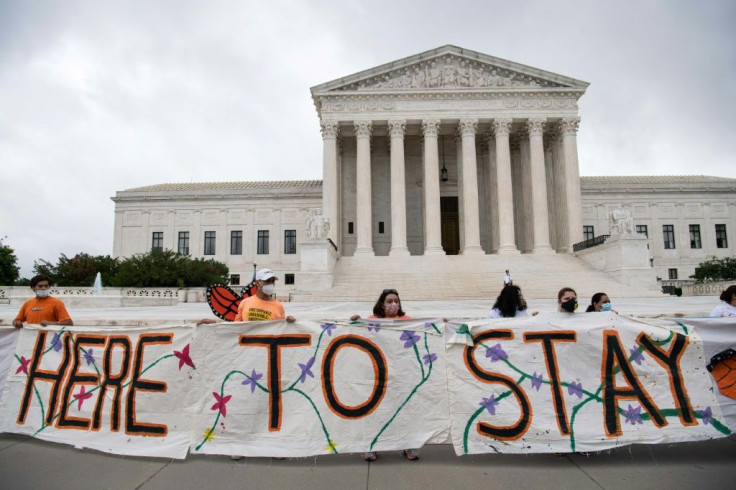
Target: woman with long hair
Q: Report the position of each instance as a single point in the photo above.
(509, 304)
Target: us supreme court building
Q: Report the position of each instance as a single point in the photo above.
(449, 152)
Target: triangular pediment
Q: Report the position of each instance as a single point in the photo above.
(449, 68)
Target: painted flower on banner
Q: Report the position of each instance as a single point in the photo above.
(428, 325)
(23, 365)
(81, 397)
(89, 357)
(328, 327)
(331, 447)
(633, 415)
(252, 380)
(221, 403)
(56, 342)
(429, 358)
(184, 357)
(537, 380)
(306, 370)
(489, 404)
(410, 338)
(636, 355)
(208, 435)
(496, 353)
(376, 327)
(575, 389)
(705, 415)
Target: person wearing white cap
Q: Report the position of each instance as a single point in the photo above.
(262, 306)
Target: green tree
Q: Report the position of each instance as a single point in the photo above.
(79, 270)
(9, 270)
(168, 269)
(716, 270)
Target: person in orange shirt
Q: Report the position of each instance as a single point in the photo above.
(43, 309)
(262, 306)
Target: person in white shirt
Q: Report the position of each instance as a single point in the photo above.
(728, 304)
(507, 280)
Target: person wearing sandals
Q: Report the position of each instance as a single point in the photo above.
(389, 306)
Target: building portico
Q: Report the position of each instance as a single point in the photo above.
(451, 152)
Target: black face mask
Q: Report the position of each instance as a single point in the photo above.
(570, 305)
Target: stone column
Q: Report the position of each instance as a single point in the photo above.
(560, 197)
(330, 184)
(525, 213)
(398, 189)
(364, 245)
(569, 127)
(538, 191)
(550, 169)
(506, 242)
(492, 175)
(432, 211)
(471, 231)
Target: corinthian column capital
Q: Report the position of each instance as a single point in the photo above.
(397, 128)
(569, 125)
(467, 127)
(329, 129)
(363, 129)
(535, 125)
(430, 127)
(501, 126)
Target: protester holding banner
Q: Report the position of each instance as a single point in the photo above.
(43, 309)
(567, 300)
(509, 304)
(389, 306)
(728, 303)
(599, 302)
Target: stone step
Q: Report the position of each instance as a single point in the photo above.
(456, 277)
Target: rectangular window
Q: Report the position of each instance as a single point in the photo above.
(350, 227)
(157, 242)
(643, 230)
(236, 243)
(695, 236)
(721, 239)
(209, 243)
(588, 232)
(235, 279)
(289, 241)
(288, 278)
(380, 227)
(668, 231)
(183, 243)
(262, 242)
(673, 273)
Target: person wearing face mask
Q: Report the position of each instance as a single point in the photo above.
(262, 306)
(389, 306)
(43, 309)
(567, 300)
(728, 303)
(599, 302)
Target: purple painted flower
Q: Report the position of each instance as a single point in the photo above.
(633, 415)
(575, 389)
(429, 358)
(306, 370)
(89, 357)
(705, 415)
(496, 353)
(328, 327)
(56, 342)
(252, 380)
(376, 327)
(409, 338)
(636, 355)
(489, 404)
(537, 381)
(428, 325)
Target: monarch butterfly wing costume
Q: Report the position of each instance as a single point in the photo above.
(223, 301)
(250, 290)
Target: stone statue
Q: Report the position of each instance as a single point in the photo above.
(316, 224)
(620, 222)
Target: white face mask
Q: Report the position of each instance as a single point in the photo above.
(43, 293)
(268, 289)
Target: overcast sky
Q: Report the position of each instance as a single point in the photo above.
(101, 96)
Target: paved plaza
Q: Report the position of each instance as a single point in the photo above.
(34, 464)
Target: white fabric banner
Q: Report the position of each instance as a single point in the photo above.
(122, 390)
(587, 382)
(8, 339)
(300, 389)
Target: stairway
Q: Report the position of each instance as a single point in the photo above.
(455, 277)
